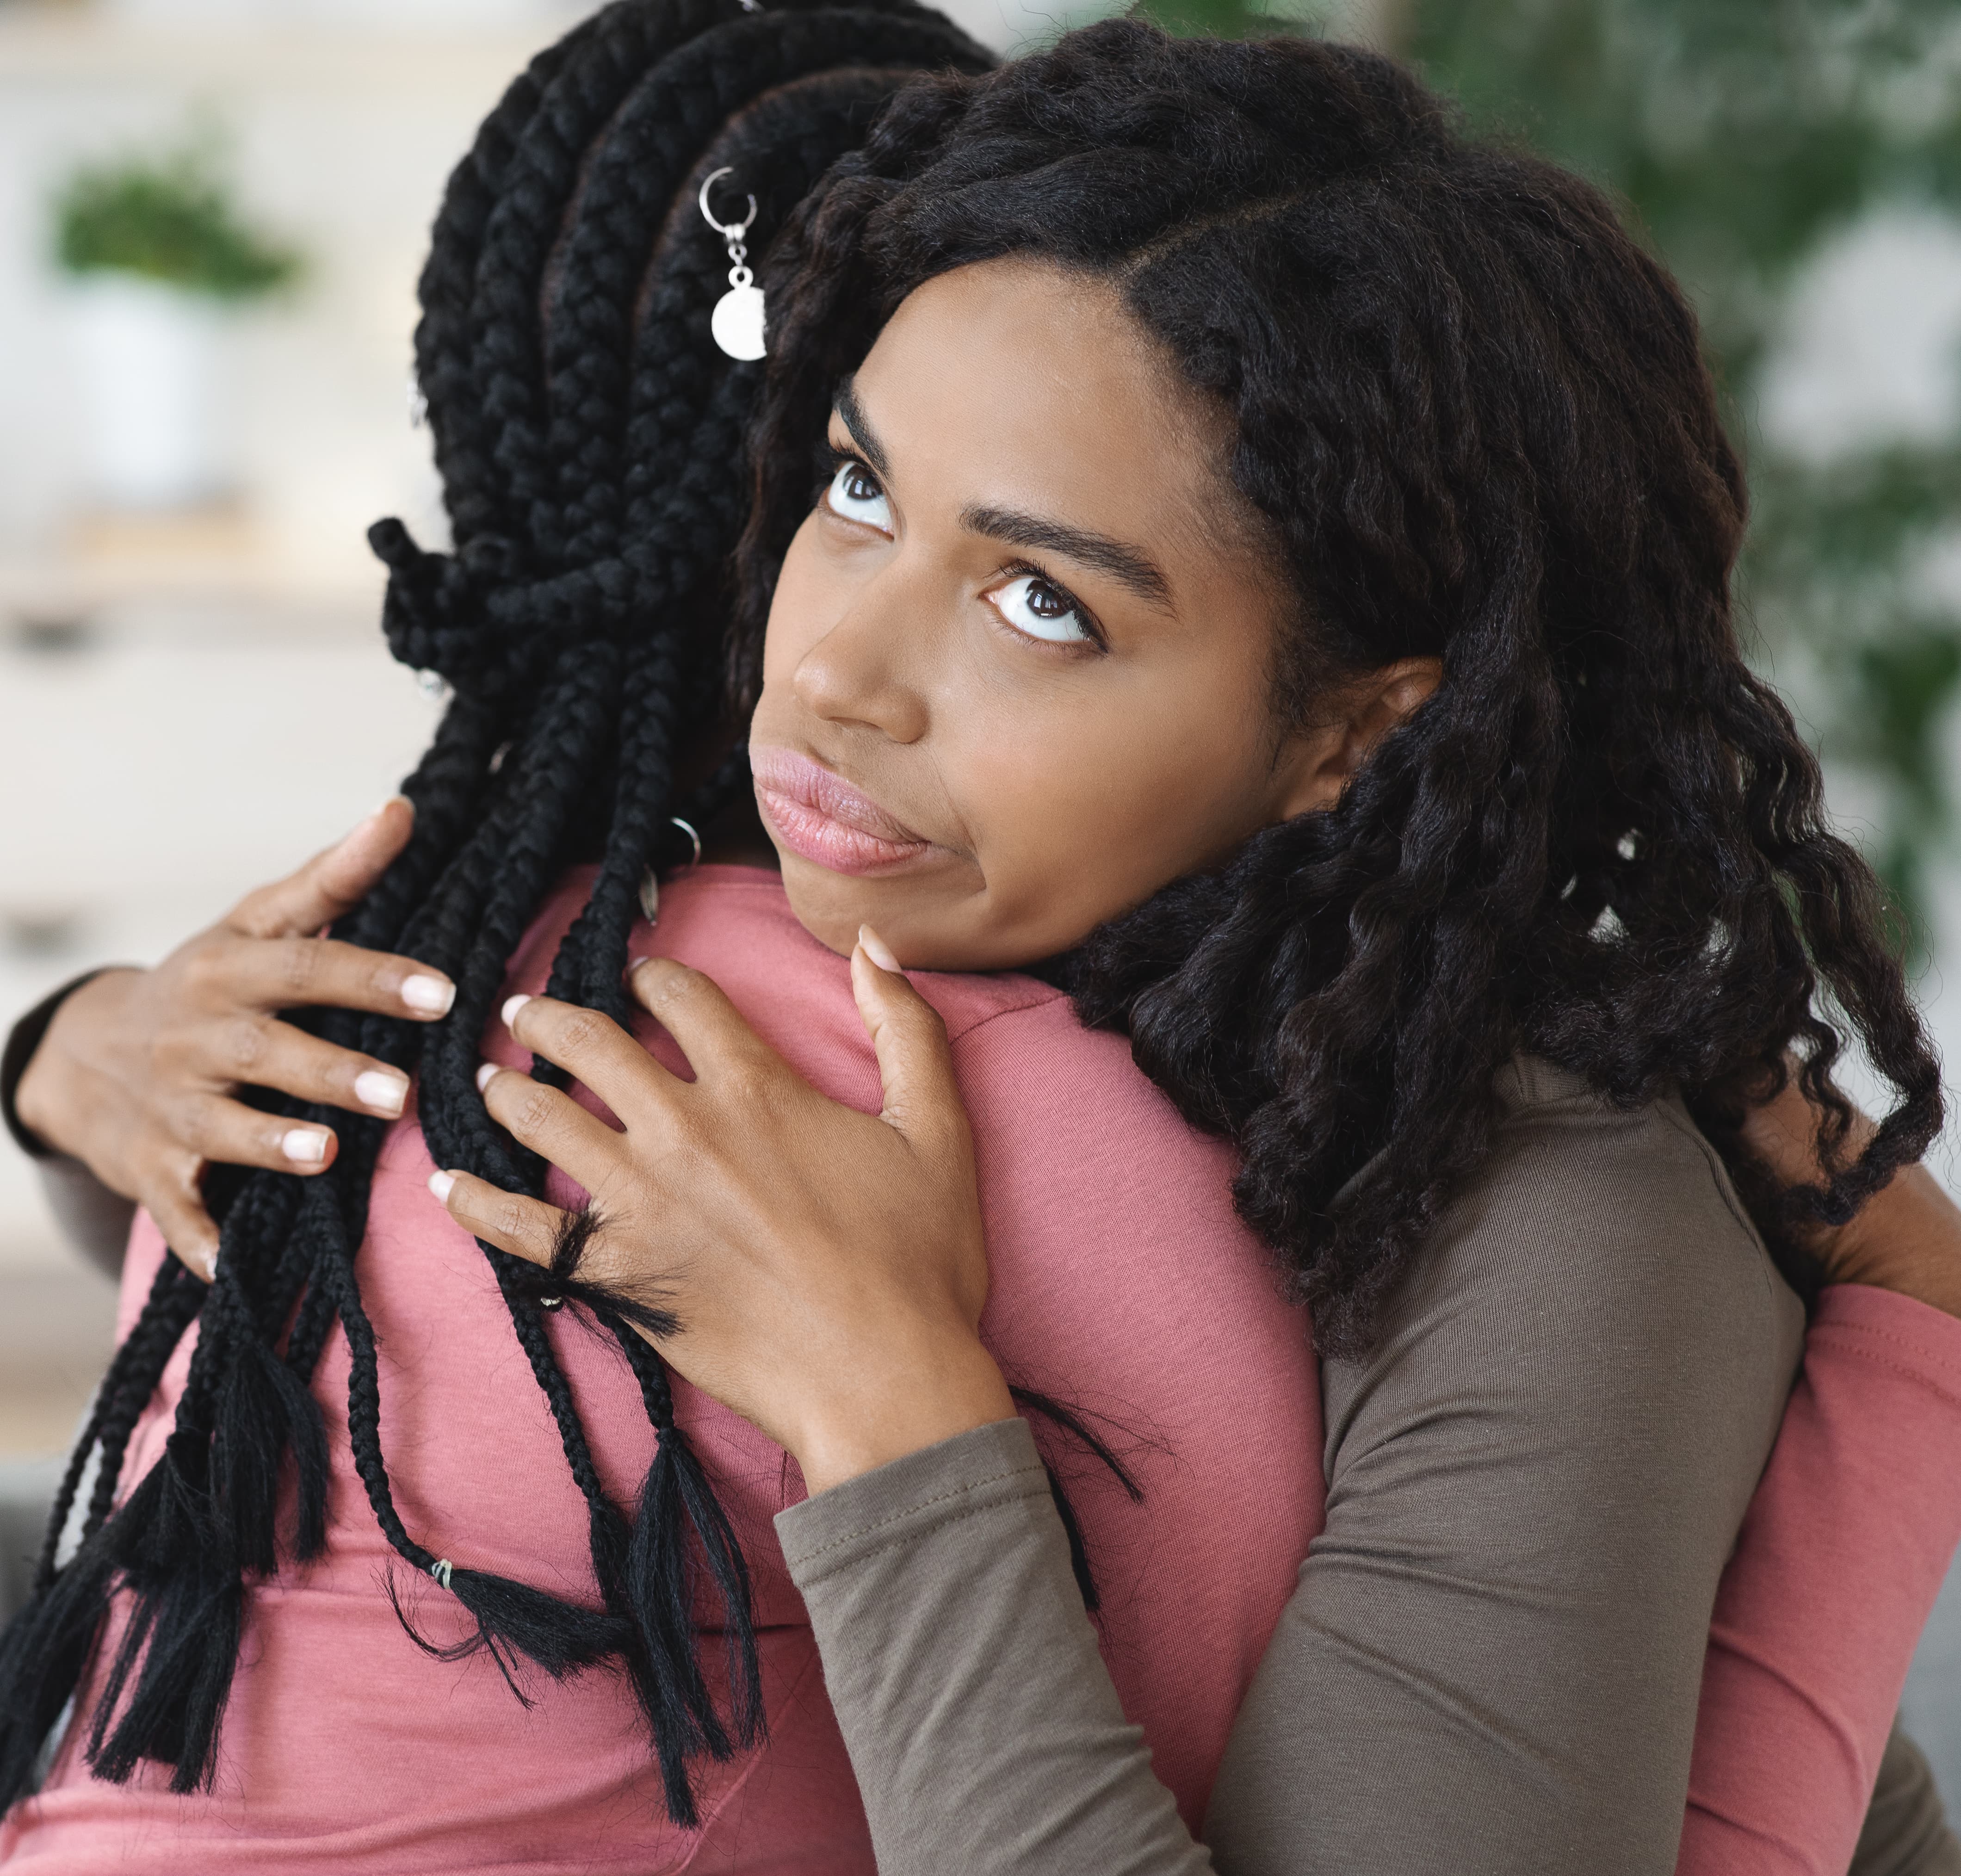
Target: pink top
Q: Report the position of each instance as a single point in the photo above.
(1127, 1286)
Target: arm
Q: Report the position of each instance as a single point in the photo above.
(123, 1084)
(1491, 1662)
(1841, 1558)
(93, 1218)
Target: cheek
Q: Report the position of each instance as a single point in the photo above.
(798, 606)
(1081, 812)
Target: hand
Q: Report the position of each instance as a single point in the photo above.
(825, 1268)
(1906, 1238)
(136, 1073)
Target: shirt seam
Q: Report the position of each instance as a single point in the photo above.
(1915, 1352)
(916, 1507)
(901, 1542)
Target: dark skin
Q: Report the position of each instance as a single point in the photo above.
(1016, 678)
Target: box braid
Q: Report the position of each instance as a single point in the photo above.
(1473, 416)
(589, 437)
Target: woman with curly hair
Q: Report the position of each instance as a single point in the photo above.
(1230, 581)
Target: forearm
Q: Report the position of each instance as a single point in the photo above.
(1845, 1547)
(92, 1216)
(982, 1724)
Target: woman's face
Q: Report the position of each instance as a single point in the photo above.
(1018, 662)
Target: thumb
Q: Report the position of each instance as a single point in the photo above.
(915, 1063)
(332, 881)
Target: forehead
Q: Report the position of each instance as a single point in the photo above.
(1031, 385)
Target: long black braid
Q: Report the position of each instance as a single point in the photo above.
(589, 436)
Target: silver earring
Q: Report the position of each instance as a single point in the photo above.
(650, 884)
(737, 321)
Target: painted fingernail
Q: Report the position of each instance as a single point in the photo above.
(306, 1146)
(876, 949)
(511, 1008)
(382, 1089)
(432, 995)
(442, 1184)
(485, 1074)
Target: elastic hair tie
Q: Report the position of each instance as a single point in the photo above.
(440, 1571)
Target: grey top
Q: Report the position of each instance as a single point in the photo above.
(1491, 1662)
(1492, 1659)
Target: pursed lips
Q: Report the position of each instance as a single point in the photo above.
(821, 817)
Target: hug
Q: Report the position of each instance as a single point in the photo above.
(1084, 1118)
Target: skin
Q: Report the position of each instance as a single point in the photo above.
(1016, 678)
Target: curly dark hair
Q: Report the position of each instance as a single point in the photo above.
(1474, 417)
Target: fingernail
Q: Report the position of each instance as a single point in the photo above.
(511, 1008)
(442, 1184)
(382, 1089)
(305, 1145)
(430, 994)
(484, 1074)
(876, 949)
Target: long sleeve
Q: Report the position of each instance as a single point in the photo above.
(94, 1219)
(1490, 1664)
(1843, 1551)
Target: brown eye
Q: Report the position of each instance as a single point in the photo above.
(1031, 605)
(854, 494)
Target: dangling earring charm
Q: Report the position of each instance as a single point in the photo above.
(737, 321)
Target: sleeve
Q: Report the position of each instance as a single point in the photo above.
(983, 1727)
(1534, 1484)
(94, 1219)
(1905, 1832)
(1842, 1555)
(1492, 1662)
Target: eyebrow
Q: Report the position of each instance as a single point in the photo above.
(1129, 566)
(852, 414)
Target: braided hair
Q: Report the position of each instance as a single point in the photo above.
(589, 436)
(1474, 416)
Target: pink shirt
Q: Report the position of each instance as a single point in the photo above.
(1125, 1286)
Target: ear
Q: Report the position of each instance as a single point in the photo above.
(1323, 759)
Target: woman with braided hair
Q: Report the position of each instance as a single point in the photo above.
(1260, 609)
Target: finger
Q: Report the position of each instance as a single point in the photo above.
(526, 1228)
(332, 881)
(264, 1053)
(225, 1132)
(915, 1062)
(692, 1007)
(551, 1123)
(591, 1048)
(175, 1199)
(323, 973)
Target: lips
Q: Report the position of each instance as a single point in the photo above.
(822, 819)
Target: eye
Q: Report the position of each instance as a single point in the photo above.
(854, 493)
(1041, 609)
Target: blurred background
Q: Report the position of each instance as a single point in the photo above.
(211, 215)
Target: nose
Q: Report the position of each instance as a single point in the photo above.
(859, 675)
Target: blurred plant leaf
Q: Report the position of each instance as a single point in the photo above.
(169, 218)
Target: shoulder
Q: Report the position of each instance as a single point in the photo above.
(1598, 1264)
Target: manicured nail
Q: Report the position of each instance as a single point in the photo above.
(511, 1008)
(484, 1075)
(306, 1146)
(442, 1184)
(876, 949)
(382, 1089)
(429, 994)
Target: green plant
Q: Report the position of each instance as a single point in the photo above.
(1741, 134)
(169, 219)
